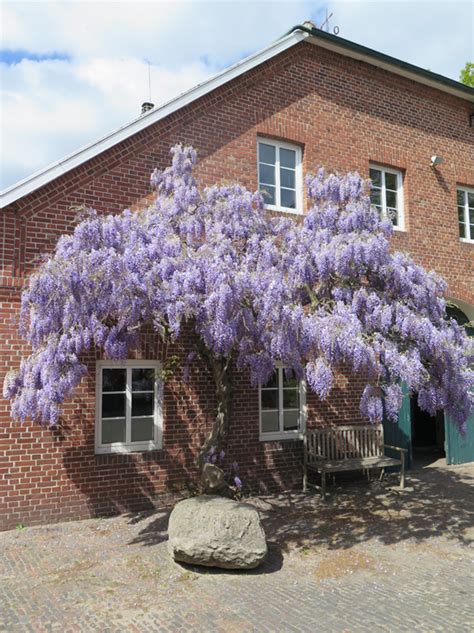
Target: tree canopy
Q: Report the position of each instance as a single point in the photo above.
(466, 76)
(316, 293)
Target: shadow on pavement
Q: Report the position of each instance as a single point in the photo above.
(437, 502)
(272, 564)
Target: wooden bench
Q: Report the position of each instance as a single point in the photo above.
(344, 448)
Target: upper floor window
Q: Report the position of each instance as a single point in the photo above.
(282, 407)
(279, 175)
(387, 193)
(128, 408)
(466, 213)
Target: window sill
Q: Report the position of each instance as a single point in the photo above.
(464, 240)
(279, 437)
(400, 229)
(272, 207)
(121, 449)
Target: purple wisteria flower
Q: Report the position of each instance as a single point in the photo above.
(318, 295)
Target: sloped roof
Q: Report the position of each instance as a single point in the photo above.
(294, 36)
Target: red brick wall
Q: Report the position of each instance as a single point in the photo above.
(344, 114)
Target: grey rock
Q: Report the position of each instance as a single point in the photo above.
(216, 532)
(213, 480)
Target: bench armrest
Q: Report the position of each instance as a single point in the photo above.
(316, 456)
(396, 448)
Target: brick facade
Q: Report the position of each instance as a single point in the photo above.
(343, 113)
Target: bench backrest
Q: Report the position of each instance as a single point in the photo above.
(345, 442)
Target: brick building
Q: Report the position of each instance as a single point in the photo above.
(308, 99)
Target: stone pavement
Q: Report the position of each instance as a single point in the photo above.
(371, 558)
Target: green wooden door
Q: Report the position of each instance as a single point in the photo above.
(399, 434)
(459, 448)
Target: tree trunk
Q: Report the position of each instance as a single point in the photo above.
(219, 367)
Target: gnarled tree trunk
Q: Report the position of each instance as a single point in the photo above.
(220, 369)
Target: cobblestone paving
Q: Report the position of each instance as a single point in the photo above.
(371, 558)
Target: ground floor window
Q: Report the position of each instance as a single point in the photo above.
(129, 406)
(282, 407)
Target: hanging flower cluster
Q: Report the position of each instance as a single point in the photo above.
(317, 295)
(230, 471)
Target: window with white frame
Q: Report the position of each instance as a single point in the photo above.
(465, 199)
(282, 407)
(129, 406)
(279, 175)
(387, 194)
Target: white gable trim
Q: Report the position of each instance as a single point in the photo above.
(60, 167)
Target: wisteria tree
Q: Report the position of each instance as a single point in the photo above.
(316, 294)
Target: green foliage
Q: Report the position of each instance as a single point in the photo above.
(169, 368)
(466, 76)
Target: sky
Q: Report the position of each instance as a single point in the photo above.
(71, 72)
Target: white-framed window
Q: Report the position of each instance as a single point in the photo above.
(280, 175)
(387, 194)
(129, 398)
(282, 403)
(465, 200)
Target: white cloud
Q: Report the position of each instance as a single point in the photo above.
(52, 107)
(164, 32)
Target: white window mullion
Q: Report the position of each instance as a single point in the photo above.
(464, 208)
(99, 406)
(155, 409)
(277, 177)
(399, 224)
(280, 399)
(299, 179)
(281, 433)
(150, 441)
(128, 407)
(384, 196)
(400, 203)
(467, 228)
(279, 147)
(467, 222)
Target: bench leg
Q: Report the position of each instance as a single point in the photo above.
(323, 485)
(402, 472)
(305, 478)
(382, 473)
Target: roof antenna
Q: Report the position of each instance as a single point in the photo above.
(335, 29)
(149, 80)
(148, 105)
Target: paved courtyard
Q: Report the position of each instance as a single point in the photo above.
(370, 559)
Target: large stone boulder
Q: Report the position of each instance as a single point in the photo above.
(216, 532)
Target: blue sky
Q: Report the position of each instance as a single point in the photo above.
(73, 71)
(12, 57)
